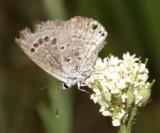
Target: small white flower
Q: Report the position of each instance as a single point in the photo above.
(135, 92)
(94, 98)
(97, 91)
(99, 64)
(122, 84)
(102, 108)
(138, 99)
(106, 113)
(121, 114)
(128, 58)
(113, 60)
(142, 68)
(124, 97)
(107, 96)
(117, 84)
(116, 122)
(115, 91)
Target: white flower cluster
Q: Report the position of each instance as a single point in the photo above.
(118, 84)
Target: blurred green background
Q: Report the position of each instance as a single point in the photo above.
(29, 97)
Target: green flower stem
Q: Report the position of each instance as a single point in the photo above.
(127, 126)
(131, 118)
(123, 128)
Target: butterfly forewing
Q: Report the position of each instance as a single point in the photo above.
(92, 35)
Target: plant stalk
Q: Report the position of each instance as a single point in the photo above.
(126, 127)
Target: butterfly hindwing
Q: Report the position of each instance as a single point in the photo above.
(41, 46)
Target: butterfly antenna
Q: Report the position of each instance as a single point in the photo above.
(58, 101)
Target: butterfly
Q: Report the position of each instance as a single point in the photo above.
(67, 50)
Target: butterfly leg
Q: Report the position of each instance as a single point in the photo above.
(83, 90)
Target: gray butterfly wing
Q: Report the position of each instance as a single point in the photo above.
(64, 49)
(82, 39)
(42, 47)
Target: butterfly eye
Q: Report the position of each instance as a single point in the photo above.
(65, 86)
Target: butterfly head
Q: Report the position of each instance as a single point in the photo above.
(78, 79)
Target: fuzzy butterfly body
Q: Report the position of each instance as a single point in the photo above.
(65, 49)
